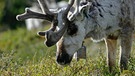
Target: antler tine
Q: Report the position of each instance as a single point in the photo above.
(76, 6)
(53, 37)
(71, 2)
(30, 14)
(44, 7)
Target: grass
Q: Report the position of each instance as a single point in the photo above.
(22, 53)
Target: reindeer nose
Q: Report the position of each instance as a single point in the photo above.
(63, 59)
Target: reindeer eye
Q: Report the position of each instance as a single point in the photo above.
(72, 29)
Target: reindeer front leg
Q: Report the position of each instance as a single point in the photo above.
(126, 43)
(111, 46)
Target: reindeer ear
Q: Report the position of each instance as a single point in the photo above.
(77, 12)
(84, 6)
(70, 14)
(74, 10)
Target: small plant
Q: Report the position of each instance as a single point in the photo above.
(34, 59)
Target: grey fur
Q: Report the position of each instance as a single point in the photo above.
(109, 20)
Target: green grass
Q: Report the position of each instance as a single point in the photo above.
(25, 43)
(22, 53)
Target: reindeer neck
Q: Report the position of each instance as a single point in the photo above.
(102, 19)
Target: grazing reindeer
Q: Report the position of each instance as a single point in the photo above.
(99, 19)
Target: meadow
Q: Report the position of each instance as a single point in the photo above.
(23, 53)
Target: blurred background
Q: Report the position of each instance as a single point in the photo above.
(10, 8)
(21, 47)
(20, 37)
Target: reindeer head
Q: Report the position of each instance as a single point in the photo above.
(65, 32)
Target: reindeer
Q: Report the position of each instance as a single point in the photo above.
(99, 20)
